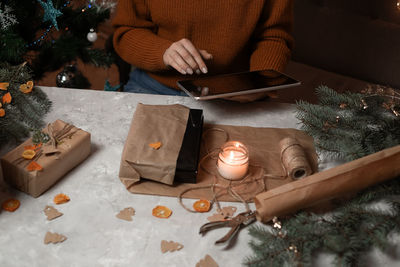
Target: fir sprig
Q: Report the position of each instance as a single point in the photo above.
(347, 126)
(26, 111)
(350, 231)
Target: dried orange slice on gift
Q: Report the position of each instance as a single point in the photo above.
(33, 147)
(161, 212)
(34, 166)
(29, 84)
(202, 205)
(11, 205)
(61, 198)
(28, 154)
(26, 87)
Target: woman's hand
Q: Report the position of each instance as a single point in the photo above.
(186, 58)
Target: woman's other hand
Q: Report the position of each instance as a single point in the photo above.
(186, 58)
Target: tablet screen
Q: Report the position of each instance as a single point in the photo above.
(236, 84)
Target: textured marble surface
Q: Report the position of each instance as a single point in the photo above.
(95, 236)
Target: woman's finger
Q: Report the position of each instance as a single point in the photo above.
(173, 63)
(194, 54)
(177, 57)
(205, 54)
(187, 56)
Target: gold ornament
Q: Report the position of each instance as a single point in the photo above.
(365, 105)
(278, 225)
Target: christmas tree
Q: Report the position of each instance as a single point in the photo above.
(346, 126)
(51, 34)
(38, 36)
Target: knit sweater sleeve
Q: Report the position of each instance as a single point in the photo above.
(273, 39)
(135, 40)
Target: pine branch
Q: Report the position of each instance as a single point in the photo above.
(25, 111)
(15, 48)
(350, 126)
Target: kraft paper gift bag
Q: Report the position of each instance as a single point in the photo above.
(151, 124)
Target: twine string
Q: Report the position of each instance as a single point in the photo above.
(293, 159)
(55, 138)
(229, 189)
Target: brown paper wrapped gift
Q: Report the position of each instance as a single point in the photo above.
(152, 124)
(336, 182)
(69, 152)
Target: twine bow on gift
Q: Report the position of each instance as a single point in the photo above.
(56, 136)
(50, 148)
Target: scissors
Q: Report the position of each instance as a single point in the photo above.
(237, 222)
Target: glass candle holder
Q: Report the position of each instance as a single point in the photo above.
(233, 160)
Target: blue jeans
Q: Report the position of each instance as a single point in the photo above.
(140, 82)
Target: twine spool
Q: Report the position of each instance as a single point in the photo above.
(294, 159)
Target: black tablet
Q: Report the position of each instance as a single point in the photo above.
(233, 84)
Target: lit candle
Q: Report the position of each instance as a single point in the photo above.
(233, 160)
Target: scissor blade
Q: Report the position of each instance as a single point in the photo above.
(212, 225)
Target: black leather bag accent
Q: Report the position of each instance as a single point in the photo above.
(188, 158)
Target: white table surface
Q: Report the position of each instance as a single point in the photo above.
(95, 236)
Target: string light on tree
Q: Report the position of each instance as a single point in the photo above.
(102, 4)
(91, 2)
(398, 4)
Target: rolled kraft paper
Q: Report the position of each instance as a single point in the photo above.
(348, 178)
(294, 159)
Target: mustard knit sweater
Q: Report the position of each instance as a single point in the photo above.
(240, 34)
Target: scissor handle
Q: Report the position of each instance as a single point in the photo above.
(244, 218)
(234, 230)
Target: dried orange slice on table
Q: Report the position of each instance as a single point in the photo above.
(161, 212)
(202, 205)
(11, 204)
(61, 198)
